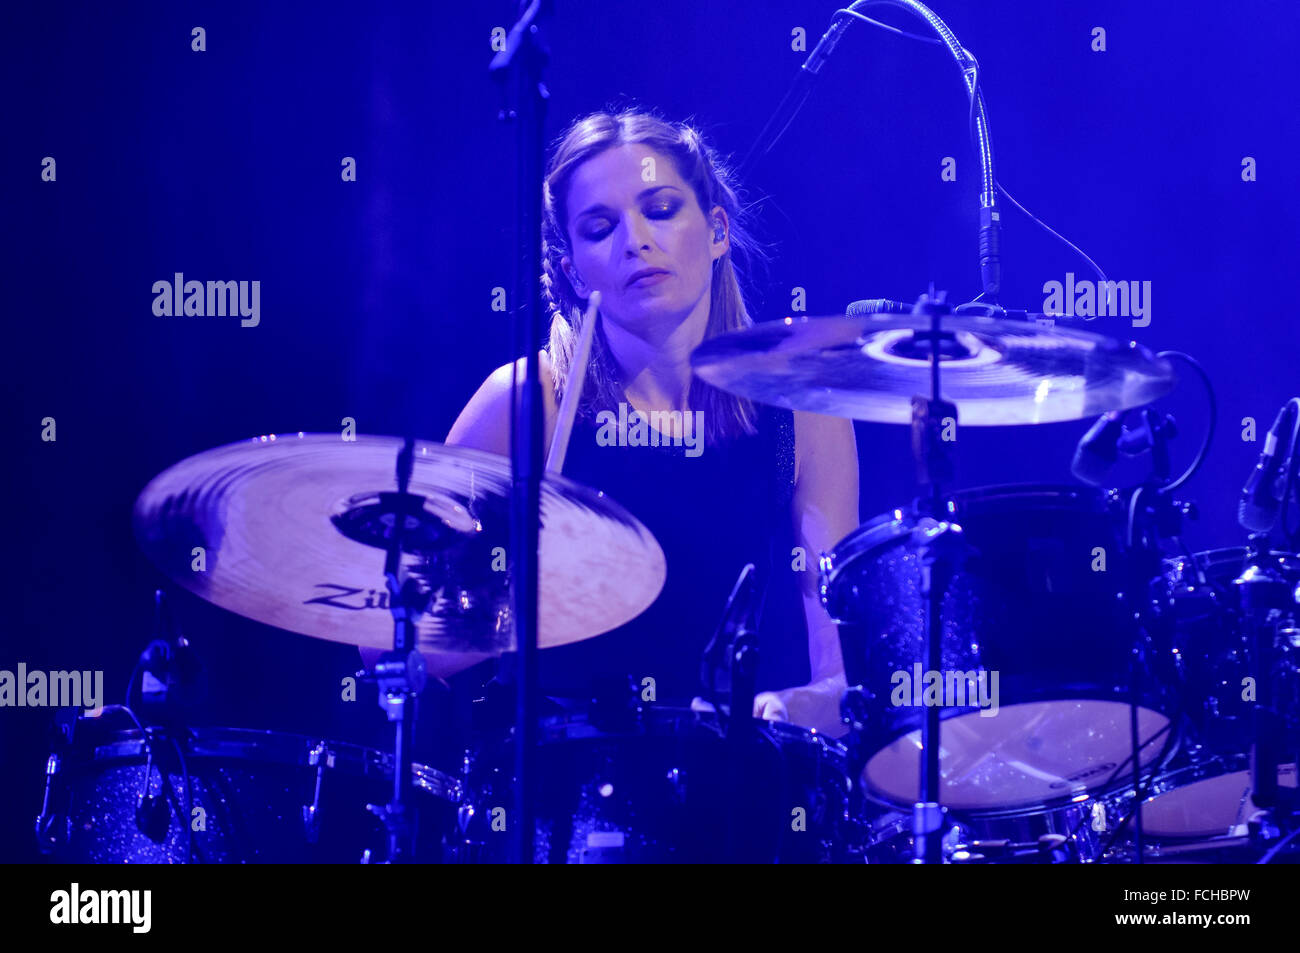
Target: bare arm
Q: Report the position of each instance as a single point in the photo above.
(825, 510)
(484, 423)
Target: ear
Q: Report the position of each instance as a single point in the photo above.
(719, 232)
(579, 286)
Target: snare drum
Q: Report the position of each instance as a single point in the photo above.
(1044, 603)
(225, 795)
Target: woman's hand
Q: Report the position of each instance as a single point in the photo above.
(815, 705)
(770, 707)
(767, 705)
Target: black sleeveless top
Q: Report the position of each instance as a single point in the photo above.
(712, 513)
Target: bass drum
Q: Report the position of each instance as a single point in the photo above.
(226, 796)
(1043, 605)
(655, 785)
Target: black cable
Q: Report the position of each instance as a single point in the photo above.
(1273, 852)
(850, 11)
(1209, 431)
(1055, 234)
(1292, 537)
(801, 88)
(971, 66)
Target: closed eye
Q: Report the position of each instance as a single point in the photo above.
(658, 211)
(666, 210)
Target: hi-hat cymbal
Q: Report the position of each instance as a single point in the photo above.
(996, 371)
(290, 527)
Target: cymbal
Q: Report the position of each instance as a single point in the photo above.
(995, 370)
(290, 526)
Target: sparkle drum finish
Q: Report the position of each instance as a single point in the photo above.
(227, 795)
(1043, 604)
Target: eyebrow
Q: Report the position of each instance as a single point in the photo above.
(640, 195)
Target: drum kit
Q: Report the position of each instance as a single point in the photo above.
(1112, 702)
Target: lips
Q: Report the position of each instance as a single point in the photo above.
(645, 273)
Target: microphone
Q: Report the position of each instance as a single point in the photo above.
(990, 247)
(715, 667)
(890, 306)
(1101, 446)
(826, 45)
(169, 669)
(1098, 449)
(1260, 500)
(877, 306)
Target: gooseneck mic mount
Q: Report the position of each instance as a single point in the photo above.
(990, 225)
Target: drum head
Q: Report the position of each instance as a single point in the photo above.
(1025, 756)
(1212, 807)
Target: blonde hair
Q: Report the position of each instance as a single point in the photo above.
(725, 415)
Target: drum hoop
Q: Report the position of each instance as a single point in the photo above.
(667, 721)
(893, 525)
(221, 743)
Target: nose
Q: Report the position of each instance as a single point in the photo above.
(638, 234)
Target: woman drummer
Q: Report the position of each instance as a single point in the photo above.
(641, 211)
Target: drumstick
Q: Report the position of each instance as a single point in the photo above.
(573, 389)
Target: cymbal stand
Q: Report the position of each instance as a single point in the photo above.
(938, 545)
(401, 674)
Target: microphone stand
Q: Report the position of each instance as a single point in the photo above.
(1266, 591)
(1161, 519)
(730, 669)
(990, 228)
(939, 546)
(741, 734)
(519, 68)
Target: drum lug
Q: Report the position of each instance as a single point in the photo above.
(676, 779)
(467, 810)
(50, 834)
(855, 707)
(322, 759)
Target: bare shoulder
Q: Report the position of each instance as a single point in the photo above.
(484, 423)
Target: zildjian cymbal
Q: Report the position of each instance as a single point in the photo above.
(289, 530)
(996, 371)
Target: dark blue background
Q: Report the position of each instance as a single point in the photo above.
(376, 294)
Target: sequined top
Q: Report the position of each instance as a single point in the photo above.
(713, 508)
